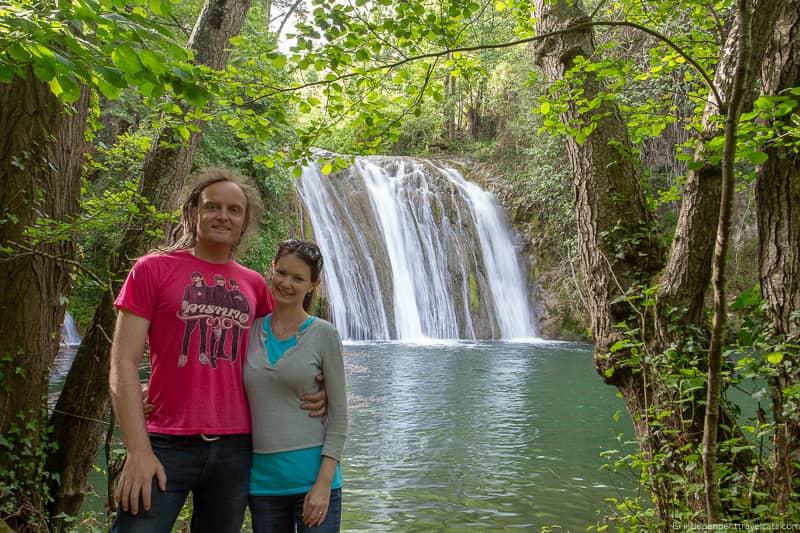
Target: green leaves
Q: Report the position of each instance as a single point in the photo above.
(750, 298)
(66, 88)
(279, 61)
(152, 61)
(775, 357)
(106, 46)
(544, 108)
(126, 59)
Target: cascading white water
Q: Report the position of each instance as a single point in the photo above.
(351, 279)
(68, 346)
(69, 331)
(508, 285)
(415, 251)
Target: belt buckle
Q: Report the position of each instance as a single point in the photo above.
(206, 438)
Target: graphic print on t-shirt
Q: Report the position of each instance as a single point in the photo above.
(213, 310)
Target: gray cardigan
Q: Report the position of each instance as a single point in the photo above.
(274, 392)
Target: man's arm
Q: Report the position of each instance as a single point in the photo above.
(141, 464)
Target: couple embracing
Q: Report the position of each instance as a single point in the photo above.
(233, 369)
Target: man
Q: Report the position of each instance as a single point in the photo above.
(197, 439)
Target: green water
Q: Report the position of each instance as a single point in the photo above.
(474, 436)
(477, 436)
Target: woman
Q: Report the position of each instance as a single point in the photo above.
(295, 478)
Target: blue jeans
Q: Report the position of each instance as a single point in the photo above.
(217, 474)
(284, 514)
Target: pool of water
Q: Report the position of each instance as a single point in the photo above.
(472, 436)
(477, 435)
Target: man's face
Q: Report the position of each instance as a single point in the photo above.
(197, 280)
(220, 282)
(221, 214)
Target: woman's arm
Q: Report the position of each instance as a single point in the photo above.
(315, 505)
(317, 500)
(336, 387)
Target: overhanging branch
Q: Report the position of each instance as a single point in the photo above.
(583, 25)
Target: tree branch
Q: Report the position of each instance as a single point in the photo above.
(583, 25)
(33, 251)
(714, 387)
(287, 15)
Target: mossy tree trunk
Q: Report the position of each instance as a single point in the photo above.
(778, 213)
(41, 148)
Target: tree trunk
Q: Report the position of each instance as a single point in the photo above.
(610, 211)
(686, 276)
(475, 113)
(610, 201)
(84, 402)
(778, 188)
(778, 215)
(267, 8)
(449, 115)
(40, 169)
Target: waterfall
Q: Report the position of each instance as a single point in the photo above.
(413, 250)
(69, 332)
(68, 346)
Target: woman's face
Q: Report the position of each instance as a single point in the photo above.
(291, 280)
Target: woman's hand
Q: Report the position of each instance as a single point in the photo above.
(147, 407)
(318, 499)
(315, 505)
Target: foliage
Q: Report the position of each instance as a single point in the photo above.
(23, 490)
(673, 471)
(364, 77)
(108, 45)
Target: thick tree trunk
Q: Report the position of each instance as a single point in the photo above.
(610, 202)
(778, 213)
(84, 401)
(619, 251)
(40, 163)
(778, 188)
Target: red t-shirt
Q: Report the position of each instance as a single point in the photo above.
(200, 314)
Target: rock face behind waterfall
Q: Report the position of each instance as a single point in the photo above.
(413, 250)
